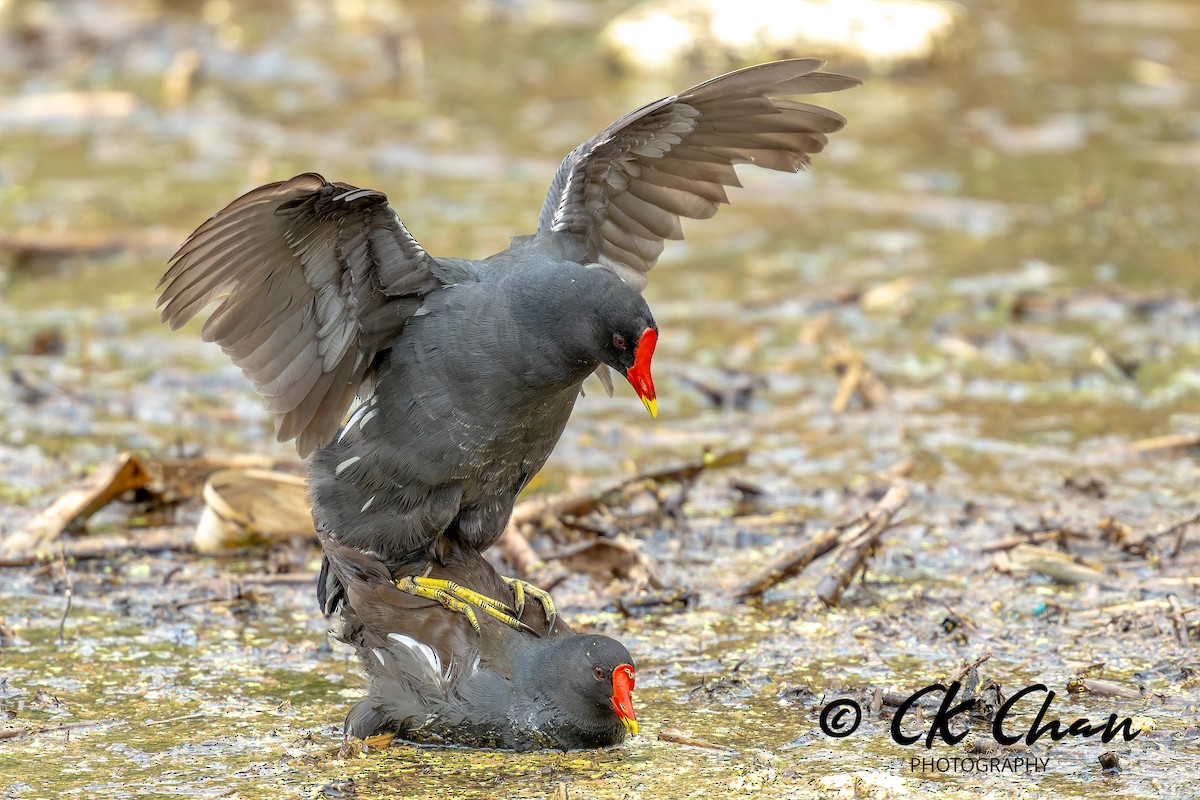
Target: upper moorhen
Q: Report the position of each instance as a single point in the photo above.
(470, 369)
(434, 680)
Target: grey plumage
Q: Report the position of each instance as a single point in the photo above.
(471, 368)
(315, 278)
(622, 192)
(433, 680)
(472, 399)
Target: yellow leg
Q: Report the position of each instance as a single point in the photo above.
(521, 588)
(460, 599)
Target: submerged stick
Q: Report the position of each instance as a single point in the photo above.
(62, 623)
(679, 737)
(13, 733)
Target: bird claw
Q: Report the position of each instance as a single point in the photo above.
(463, 600)
(521, 588)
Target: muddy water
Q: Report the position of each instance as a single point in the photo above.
(207, 705)
(1038, 192)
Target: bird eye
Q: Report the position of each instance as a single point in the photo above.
(619, 341)
(598, 672)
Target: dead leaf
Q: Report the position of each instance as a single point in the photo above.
(606, 559)
(252, 506)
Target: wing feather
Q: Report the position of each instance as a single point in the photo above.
(314, 279)
(622, 193)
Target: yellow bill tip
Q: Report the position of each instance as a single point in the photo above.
(651, 404)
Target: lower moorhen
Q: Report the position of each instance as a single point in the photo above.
(469, 370)
(434, 680)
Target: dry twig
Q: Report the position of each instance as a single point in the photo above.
(1157, 445)
(108, 480)
(856, 378)
(551, 511)
(859, 533)
(1060, 535)
(1177, 618)
(145, 540)
(968, 668)
(1178, 529)
(789, 563)
(859, 539)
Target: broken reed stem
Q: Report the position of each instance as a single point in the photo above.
(859, 540)
(107, 481)
(1177, 619)
(793, 562)
(966, 669)
(789, 563)
(1179, 529)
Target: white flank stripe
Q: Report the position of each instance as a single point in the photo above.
(424, 649)
(345, 465)
(358, 413)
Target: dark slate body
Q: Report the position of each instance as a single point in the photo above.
(469, 369)
(469, 403)
(434, 680)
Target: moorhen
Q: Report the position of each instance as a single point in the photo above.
(434, 680)
(468, 370)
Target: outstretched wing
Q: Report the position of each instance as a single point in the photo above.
(623, 192)
(316, 277)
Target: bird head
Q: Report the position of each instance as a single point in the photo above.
(589, 679)
(625, 333)
(630, 354)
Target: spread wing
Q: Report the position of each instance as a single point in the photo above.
(315, 278)
(622, 193)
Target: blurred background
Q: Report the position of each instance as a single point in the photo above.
(985, 289)
(1005, 232)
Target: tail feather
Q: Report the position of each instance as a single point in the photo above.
(330, 591)
(408, 687)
